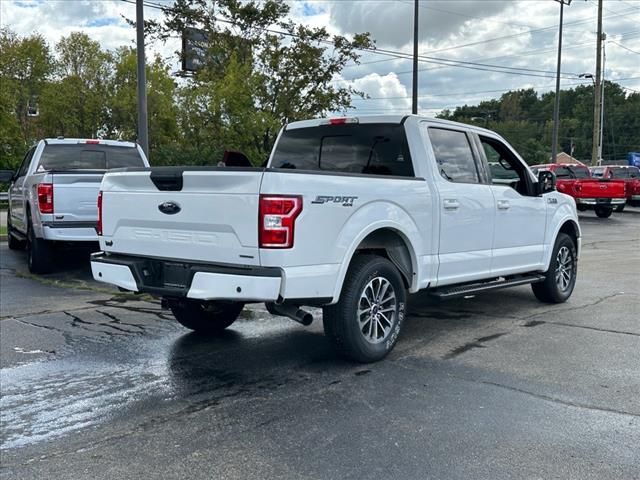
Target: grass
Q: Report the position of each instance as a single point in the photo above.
(3, 229)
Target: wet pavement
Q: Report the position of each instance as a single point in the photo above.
(96, 384)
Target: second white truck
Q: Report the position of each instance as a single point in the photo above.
(52, 195)
(349, 215)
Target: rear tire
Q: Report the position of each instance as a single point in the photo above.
(604, 212)
(620, 208)
(209, 318)
(365, 323)
(560, 279)
(39, 257)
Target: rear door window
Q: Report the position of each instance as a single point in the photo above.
(88, 157)
(454, 155)
(378, 149)
(579, 172)
(562, 172)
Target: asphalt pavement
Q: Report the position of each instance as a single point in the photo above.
(99, 385)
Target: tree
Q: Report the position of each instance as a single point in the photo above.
(162, 110)
(75, 104)
(25, 66)
(525, 121)
(253, 79)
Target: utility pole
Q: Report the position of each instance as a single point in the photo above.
(556, 107)
(143, 133)
(604, 69)
(414, 103)
(597, 107)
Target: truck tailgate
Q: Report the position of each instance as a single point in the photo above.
(594, 188)
(208, 215)
(75, 196)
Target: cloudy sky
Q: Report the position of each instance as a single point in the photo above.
(519, 34)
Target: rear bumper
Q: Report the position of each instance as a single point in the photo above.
(635, 197)
(600, 201)
(70, 231)
(169, 278)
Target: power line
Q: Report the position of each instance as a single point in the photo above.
(626, 48)
(424, 59)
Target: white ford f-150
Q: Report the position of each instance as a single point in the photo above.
(52, 195)
(349, 215)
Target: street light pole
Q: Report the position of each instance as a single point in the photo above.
(556, 107)
(143, 135)
(414, 93)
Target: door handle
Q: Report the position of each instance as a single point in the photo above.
(451, 204)
(503, 204)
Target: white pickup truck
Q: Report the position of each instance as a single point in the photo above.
(348, 215)
(53, 194)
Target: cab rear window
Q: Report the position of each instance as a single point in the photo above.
(629, 172)
(378, 149)
(88, 157)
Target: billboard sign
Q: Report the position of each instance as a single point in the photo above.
(194, 49)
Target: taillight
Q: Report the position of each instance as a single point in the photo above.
(277, 217)
(99, 224)
(339, 121)
(45, 197)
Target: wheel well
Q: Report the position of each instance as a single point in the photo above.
(390, 244)
(571, 229)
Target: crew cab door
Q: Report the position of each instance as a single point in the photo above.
(521, 215)
(18, 194)
(466, 206)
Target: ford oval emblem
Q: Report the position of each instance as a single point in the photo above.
(170, 208)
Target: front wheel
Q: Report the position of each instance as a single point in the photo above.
(204, 317)
(365, 323)
(560, 279)
(604, 212)
(620, 208)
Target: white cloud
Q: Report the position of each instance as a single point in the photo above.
(526, 33)
(387, 94)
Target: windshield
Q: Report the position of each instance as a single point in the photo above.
(379, 149)
(84, 156)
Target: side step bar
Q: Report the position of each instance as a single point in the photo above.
(453, 291)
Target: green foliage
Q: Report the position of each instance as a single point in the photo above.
(25, 67)
(525, 120)
(253, 81)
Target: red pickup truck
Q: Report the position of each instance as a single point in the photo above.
(629, 174)
(600, 194)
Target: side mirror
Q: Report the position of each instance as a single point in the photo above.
(6, 176)
(546, 182)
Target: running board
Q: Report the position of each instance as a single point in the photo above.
(473, 288)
